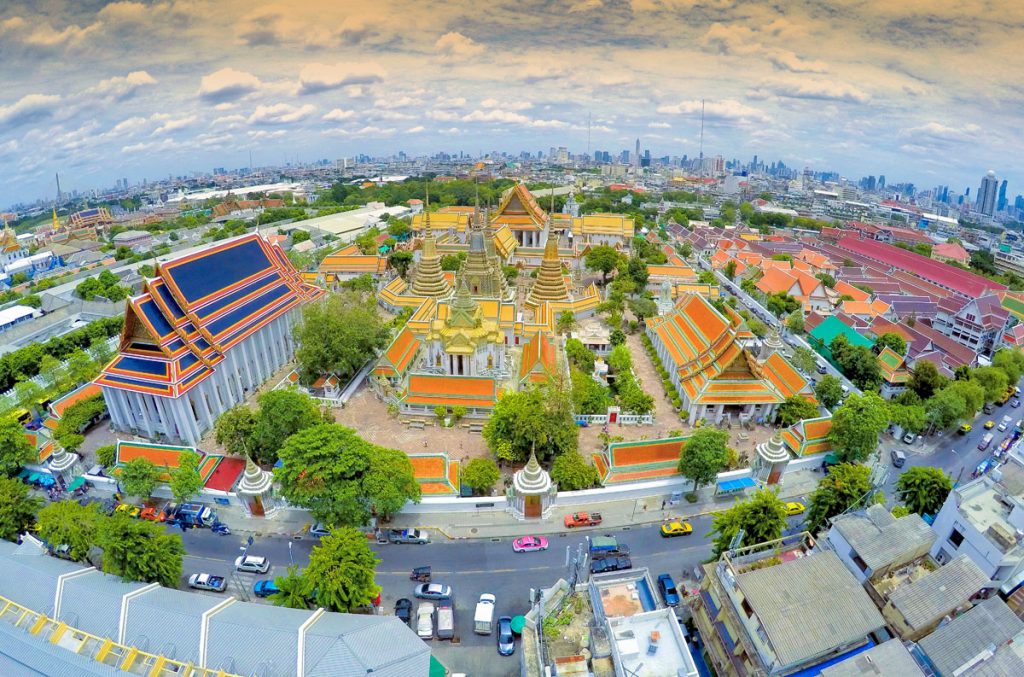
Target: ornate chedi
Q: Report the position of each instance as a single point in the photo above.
(550, 284)
(256, 488)
(769, 465)
(465, 343)
(429, 281)
(477, 271)
(772, 343)
(532, 493)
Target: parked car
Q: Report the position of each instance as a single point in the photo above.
(408, 536)
(253, 564)
(425, 620)
(794, 508)
(989, 425)
(898, 458)
(506, 640)
(965, 428)
(822, 369)
(403, 610)
(988, 408)
(668, 590)
(676, 529)
(582, 519)
(445, 620)
(483, 616)
(909, 438)
(154, 514)
(432, 591)
(207, 582)
(1004, 423)
(600, 565)
(265, 588)
(319, 530)
(529, 544)
(128, 509)
(1015, 402)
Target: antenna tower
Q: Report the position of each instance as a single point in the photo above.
(702, 137)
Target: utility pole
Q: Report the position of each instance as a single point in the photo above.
(702, 138)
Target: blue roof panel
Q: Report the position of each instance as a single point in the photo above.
(155, 317)
(209, 273)
(736, 485)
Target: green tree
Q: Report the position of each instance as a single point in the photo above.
(106, 455)
(71, 524)
(53, 372)
(604, 259)
(480, 474)
(340, 478)
(138, 550)
(588, 396)
(893, 341)
(1011, 361)
(729, 270)
(856, 425)
(15, 449)
(81, 367)
(185, 481)
(282, 413)
(341, 571)
(400, 260)
(29, 394)
(632, 397)
(643, 308)
(992, 380)
(571, 472)
(761, 517)
(686, 250)
(757, 327)
(706, 277)
(804, 359)
(703, 456)
(637, 271)
(538, 418)
(235, 430)
(579, 355)
(829, 391)
(566, 322)
(909, 417)
(294, 590)
(139, 477)
(923, 489)
(846, 485)
(925, 379)
(795, 323)
(617, 337)
(620, 360)
(17, 508)
(944, 408)
(796, 408)
(971, 392)
(781, 303)
(827, 280)
(338, 335)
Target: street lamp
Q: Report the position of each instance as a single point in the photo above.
(290, 559)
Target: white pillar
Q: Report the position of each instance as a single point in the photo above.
(140, 403)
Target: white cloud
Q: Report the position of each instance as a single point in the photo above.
(507, 105)
(415, 130)
(936, 131)
(724, 110)
(788, 61)
(29, 108)
(403, 101)
(40, 34)
(339, 114)
(659, 125)
(229, 121)
(495, 116)
(265, 134)
(443, 115)
(450, 102)
(227, 84)
(174, 124)
(122, 88)
(828, 90)
(367, 131)
(128, 126)
(454, 45)
(280, 113)
(319, 77)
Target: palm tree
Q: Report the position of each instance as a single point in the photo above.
(294, 590)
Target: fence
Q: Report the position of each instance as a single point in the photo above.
(622, 419)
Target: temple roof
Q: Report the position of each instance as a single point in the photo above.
(809, 436)
(538, 363)
(519, 210)
(451, 391)
(198, 307)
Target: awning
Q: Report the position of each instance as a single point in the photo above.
(75, 483)
(436, 669)
(518, 622)
(729, 486)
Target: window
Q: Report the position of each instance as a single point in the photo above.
(861, 564)
(746, 609)
(956, 538)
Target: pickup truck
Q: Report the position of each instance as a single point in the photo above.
(607, 545)
(582, 519)
(408, 536)
(600, 565)
(207, 582)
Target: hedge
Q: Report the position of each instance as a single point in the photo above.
(23, 364)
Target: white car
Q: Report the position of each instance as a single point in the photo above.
(252, 564)
(425, 620)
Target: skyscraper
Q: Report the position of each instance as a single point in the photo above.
(636, 156)
(986, 202)
(1001, 201)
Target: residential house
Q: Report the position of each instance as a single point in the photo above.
(888, 659)
(895, 374)
(872, 543)
(978, 323)
(951, 252)
(984, 641)
(916, 606)
(799, 284)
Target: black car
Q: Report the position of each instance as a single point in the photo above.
(403, 610)
(600, 565)
(506, 640)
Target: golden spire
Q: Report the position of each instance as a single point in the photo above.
(429, 280)
(550, 284)
(56, 224)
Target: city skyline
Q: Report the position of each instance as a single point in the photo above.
(99, 91)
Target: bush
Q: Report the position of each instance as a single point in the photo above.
(691, 497)
(458, 413)
(440, 412)
(105, 455)
(571, 472)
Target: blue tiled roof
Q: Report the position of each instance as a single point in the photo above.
(209, 309)
(206, 274)
(141, 366)
(168, 300)
(155, 317)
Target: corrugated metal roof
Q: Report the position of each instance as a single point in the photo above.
(990, 623)
(256, 639)
(880, 540)
(809, 606)
(889, 659)
(150, 613)
(92, 602)
(22, 654)
(938, 593)
(352, 645)
(31, 580)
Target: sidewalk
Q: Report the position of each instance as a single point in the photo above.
(469, 524)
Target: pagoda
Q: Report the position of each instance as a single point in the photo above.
(429, 280)
(465, 343)
(550, 284)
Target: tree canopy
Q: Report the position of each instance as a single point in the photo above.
(185, 481)
(604, 259)
(761, 517)
(341, 571)
(796, 408)
(17, 508)
(992, 380)
(480, 474)
(858, 363)
(925, 379)
(71, 524)
(703, 455)
(139, 477)
(846, 485)
(572, 472)
(337, 336)
(540, 418)
(923, 489)
(15, 449)
(856, 426)
(893, 341)
(829, 391)
(261, 433)
(138, 550)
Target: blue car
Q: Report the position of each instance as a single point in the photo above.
(265, 588)
(506, 640)
(668, 590)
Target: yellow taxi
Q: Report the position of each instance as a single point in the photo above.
(965, 428)
(128, 509)
(794, 508)
(676, 529)
(989, 425)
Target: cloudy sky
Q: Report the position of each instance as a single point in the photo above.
(925, 90)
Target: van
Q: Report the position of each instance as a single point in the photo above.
(1004, 423)
(985, 441)
(483, 618)
(898, 458)
(445, 620)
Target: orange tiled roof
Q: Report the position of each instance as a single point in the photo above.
(467, 391)
(776, 280)
(402, 350)
(849, 290)
(538, 361)
(60, 406)
(786, 379)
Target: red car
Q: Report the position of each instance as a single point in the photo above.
(530, 544)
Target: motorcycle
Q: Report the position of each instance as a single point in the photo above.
(220, 528)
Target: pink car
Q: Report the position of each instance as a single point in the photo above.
(530, 544)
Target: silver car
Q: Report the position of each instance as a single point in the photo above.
(433, 591)
(425, 620)
(253, 564)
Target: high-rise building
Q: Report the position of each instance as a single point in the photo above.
(636, 155)
(1000, 201)
(986, 202)
(881, 181)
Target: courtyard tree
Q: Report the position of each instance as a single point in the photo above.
(571, 472)
(566, 322)
(480, 474)
(992, 380)
(580, 355)
(139, 550)
(389, 483)
(106, 455)
(796, 408)
(892, 341)
(540, 418)
(923, 489)
(588, 396)
(282, 413)
(703, 456)
(234, 430)
(341, 571)
(856, 426)
(643, 307)
(604, 259)
(71, 524)
(729, 270)
(804, 359)
(925, 379)
(17, 508)
(781, 303)
(337, 335)
(185, 481)
(761, 518)
(400, 260)
(633, 398)
(139, 477)
(829, 391)
(15, 449)
(845, 486)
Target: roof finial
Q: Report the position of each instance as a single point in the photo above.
(426, 208)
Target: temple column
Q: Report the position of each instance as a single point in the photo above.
(141, 404)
